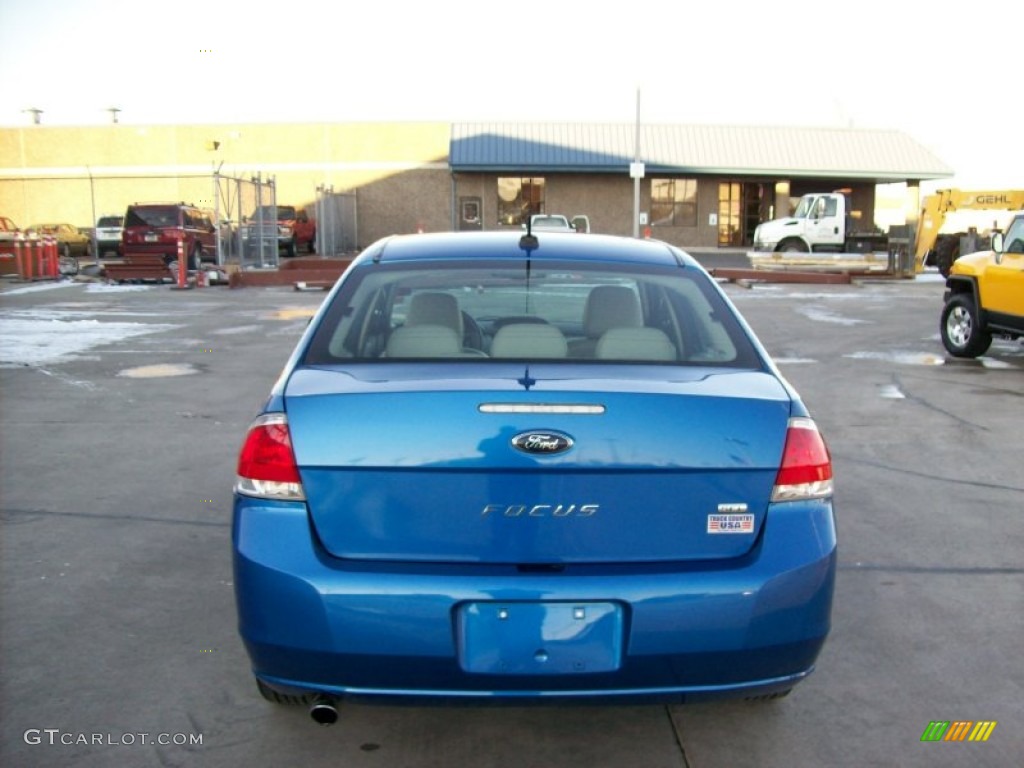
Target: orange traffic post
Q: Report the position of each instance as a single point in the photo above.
(43, 265)
(182, 269)
(19, 255)
(55, 263)
(50, 259)
(33, 255)
(182, 282)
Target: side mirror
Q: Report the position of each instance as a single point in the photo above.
(997, 242)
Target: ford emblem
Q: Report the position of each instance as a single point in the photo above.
(542, 442)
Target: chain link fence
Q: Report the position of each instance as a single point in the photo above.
(246, 217)
(243, 209)
(336, 222)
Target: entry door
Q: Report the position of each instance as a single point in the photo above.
(470, 213)
(730, 224)
(741, 207)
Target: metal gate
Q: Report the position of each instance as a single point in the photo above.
(246, 220)
(336, 222)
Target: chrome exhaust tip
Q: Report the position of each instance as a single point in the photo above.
(323, 711)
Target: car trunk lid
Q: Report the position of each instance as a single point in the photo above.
(412, 468)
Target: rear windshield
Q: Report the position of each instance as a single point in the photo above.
(552, 311)
(267, 212)
(550, 221)
(152, 216)
(110, 221)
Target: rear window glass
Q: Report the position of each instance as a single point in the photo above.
(152, 216)
(279, 213)
(110, 221)
(552, 311)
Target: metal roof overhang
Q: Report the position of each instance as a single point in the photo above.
(753, 152)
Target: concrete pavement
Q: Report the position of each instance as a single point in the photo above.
(121, 417)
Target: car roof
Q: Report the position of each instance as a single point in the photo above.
(509, 245)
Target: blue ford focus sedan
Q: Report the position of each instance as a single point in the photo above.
(540, 467)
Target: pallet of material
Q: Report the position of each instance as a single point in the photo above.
(141, 267)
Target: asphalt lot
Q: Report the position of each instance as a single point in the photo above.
(121, 415)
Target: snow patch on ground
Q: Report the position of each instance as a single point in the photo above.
(822, 315)
(996, 365)
(37, 339)
(238, 329)
(159, 371)
(891, 392)
(903, 358)
(115, 288)
(37, 288)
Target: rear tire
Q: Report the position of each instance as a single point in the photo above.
(947, 250)
(961, 329)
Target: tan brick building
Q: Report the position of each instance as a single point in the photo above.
(703, 186)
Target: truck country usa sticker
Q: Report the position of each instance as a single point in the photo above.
(730, 523)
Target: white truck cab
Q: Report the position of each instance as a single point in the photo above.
(818, 223)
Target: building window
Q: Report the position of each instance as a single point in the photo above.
(518, 199)
(674, 202)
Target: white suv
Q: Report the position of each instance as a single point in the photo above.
(108, 233)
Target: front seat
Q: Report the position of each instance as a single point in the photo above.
(433, 320)
(607, 307)
(435, 308)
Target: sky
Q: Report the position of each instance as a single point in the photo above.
(949, 79)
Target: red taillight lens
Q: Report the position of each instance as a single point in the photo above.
(266, 463)
(806, 470)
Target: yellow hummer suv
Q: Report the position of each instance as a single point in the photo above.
(985, 295)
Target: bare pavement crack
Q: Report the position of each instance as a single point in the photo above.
(677, 736)
(928, 475)
(25, 515)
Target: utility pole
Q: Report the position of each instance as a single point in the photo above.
(636, 170)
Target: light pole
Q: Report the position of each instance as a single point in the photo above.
(636, 170)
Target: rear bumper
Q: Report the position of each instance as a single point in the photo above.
(312, 623)
(109, 244)
(168, 250)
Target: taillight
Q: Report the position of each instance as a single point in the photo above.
(806, 470)
(266, 463)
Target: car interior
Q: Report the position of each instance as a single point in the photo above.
(462, 315)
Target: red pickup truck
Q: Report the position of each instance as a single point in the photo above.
(293, 229)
